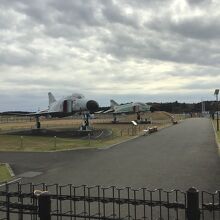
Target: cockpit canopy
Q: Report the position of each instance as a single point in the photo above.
(78, 96)
(139, 104)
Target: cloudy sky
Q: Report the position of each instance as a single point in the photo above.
(143, 50)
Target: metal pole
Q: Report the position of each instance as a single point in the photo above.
(21, 145)
(217, 113)
(55, 142)
(193, 212)
(44, 206)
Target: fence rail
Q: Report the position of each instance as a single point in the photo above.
(46, 202)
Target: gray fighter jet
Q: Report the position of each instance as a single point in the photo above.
(66, 106)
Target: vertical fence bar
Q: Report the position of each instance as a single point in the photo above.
(20, 200)
(113, 205)
(21, 210)
(89, 204)
(99, 203)
(74, 202)
(168, 209)
(119, 204)
(213, 204)
(57, 202)
(8, 202)
(103, 207)
(128, 193)
(193, 212)
(135, 206)
(202, 206)
(71, 201)
(160, 199)
(144, 199)
(84, 201)
(177, 210)
(151, 207)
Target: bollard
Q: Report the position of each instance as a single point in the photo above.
(55, 142)
(21, 145)
(193, 212)
(89, 136)
(44, 204)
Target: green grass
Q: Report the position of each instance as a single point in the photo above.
(39, 144)
(217, 132)
(31, 143)
(218, 136)
(4, 173)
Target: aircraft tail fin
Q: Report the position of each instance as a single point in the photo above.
(51, 98)
(113, 103)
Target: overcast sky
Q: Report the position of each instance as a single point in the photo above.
(143, 50)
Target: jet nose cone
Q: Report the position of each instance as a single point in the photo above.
(92, 105)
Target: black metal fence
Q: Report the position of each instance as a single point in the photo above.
(45, 202)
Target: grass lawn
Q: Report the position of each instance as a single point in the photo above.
(218, 136)
(217, 132)
(31, 143)
(121, 132)
(4, 173)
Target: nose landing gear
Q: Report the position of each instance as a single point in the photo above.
(86, 124)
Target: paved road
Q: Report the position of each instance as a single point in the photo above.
(181, 156)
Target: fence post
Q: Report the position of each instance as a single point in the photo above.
(89, 136)
(21, 144)
(7, 202)
(44, 204)
(193, 212)
(55, 142)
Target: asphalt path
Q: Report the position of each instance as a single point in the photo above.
(180, 156)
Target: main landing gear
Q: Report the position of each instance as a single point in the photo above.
(138, 116)
(38, 125)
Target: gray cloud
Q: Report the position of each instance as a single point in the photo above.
(76, 13)
(198, 2)
(109, 48)
(196, 28)
(114, 14)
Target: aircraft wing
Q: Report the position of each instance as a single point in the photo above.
(99, 112)
(41, 113)
(16, 113)
(108, 111)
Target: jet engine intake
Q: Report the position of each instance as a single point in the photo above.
(92, 106)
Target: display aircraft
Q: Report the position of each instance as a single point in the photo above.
(66, 106)
(133, 107)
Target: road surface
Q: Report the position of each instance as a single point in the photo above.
(180, 156)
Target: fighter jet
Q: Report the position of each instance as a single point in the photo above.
(69, 105)
(133, 107)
